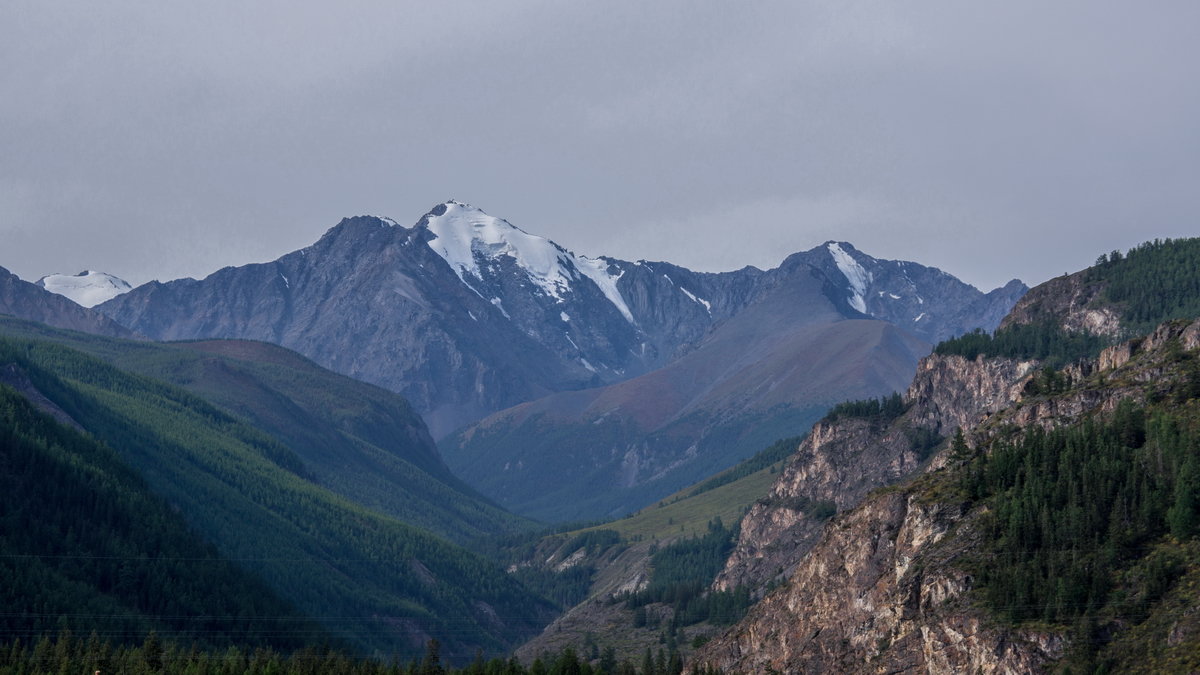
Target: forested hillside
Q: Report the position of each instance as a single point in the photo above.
(1090, 528)
(85, 546)
(358, 440)
(1151, 283)
(372, 581)
(1074, 317)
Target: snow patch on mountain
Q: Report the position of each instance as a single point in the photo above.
(463, 235)
(702, 301)
(500, 306)
(466, 236)
(597, 270)
(88, 288)
(857, 277)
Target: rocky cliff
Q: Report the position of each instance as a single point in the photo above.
(1070, 301)
(885, 586)
(842, 460)
(877, 594)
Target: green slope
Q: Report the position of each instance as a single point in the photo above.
(85, 546)
(726, 496)
(372, 580)
(359, 440)
(563, 456)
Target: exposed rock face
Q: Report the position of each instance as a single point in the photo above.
(858, 604)
(1070, 302)
(29, 301)
(842, 461)
(949, 392)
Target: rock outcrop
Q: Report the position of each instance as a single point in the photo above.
(1069, 301)
(839, 462)
(860, 603)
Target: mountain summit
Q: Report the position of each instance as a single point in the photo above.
(88, 288)
(480, 246)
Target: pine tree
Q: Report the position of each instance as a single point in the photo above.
(432, 663)
(959, 450)
(1182, 515)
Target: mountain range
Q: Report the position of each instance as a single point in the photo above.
(527, 359)
(465, 314)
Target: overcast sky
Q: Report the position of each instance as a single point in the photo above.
(1012, 139)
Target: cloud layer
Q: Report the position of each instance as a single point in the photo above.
(1013, 139)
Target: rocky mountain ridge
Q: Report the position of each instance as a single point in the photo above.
(1072, 302)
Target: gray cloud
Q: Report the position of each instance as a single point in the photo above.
(1013, 139)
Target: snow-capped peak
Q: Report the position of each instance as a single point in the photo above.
(463, 232)
(856, 276)
(464, 235)
(88, 288)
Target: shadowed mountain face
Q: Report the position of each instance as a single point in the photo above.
(465, 314)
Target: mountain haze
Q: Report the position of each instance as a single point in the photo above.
(770, 371)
